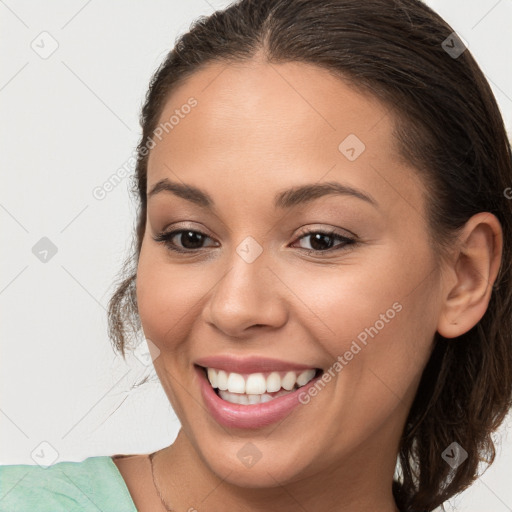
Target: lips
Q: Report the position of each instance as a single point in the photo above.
(252, 410)
(251, 364)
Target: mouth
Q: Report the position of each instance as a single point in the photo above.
(259, 387)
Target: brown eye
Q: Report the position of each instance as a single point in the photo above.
(321, 241)
(190, 239)
(182, 240)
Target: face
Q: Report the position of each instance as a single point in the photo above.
(343, 283)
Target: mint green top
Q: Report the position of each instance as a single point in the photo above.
(92, 485)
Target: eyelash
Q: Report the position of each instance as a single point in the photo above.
(166, 238)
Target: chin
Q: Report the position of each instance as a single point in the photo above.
(260, 476)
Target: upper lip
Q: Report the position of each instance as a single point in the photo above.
(251, 364)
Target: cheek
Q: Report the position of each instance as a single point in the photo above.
(338, 304)
(385, 347)
(379, 383)
(380, 320)
(167, 296)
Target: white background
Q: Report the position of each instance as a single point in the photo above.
(68, 123)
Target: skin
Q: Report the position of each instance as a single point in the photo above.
(258, 129)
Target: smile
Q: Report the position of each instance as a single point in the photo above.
(252, 392)
(256, 388)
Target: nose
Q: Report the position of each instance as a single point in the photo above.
(247, 296)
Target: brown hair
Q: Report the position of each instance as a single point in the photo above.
(448, 125)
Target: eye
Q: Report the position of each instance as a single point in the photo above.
(190, 240)
(323, 241)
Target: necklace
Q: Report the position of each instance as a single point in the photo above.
(151, 455)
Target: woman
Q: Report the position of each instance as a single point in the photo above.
(321, 269)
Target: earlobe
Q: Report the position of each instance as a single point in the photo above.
(475, 268)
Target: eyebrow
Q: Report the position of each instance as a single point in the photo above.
(284, 199)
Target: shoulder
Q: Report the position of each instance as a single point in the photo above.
(92, 484)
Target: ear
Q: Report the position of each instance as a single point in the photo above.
(471, 275)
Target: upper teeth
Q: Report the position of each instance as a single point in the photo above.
(258, 383)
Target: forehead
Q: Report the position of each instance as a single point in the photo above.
(257, 123)
(262, 102)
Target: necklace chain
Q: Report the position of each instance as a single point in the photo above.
(151, 455)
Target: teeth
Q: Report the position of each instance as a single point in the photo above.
(252, 399)
(242, 399)
(222, 379)
(304, 377)
(273, 382)
(289, 380)
(212, 377)
(258, 383)
(236, 383)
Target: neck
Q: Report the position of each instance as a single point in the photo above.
(188, 483)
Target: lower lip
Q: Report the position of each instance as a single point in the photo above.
(249, 416)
